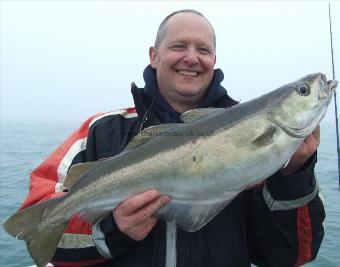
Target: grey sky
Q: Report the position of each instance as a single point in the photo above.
(68, 60)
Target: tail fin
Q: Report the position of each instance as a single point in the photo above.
(41, 239)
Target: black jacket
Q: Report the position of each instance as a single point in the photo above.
(247, 230)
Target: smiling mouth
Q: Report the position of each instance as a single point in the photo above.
(188, 73)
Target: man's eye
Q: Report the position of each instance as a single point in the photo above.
(178, 47)
(204, 51)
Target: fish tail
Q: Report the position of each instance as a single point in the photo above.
(41, 239)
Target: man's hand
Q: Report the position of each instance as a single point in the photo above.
(302, 154)
(134, 216)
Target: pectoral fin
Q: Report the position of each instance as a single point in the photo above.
(191, 217)
(266, 138)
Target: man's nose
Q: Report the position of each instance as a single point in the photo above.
(191, 56)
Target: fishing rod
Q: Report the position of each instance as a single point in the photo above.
(335, 105)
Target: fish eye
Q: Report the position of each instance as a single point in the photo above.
(303, 90)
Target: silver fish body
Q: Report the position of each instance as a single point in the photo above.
(202, 163)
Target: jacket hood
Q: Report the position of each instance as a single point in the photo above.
(162, 108)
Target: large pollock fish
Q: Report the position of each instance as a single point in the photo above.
(202, 164)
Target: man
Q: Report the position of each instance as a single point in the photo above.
(181, 77)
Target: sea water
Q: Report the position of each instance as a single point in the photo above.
(25, 144)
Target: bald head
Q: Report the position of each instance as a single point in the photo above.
(184, 58)
(163, 26)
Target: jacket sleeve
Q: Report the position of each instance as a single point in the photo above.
(286, 219)
(76, 247)
(110, 241)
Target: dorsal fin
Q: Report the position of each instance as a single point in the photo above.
(76, 172)
(197, 114)
(149, 133)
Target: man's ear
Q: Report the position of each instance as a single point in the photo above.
(153, 57)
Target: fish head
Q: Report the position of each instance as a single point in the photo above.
(297, 108)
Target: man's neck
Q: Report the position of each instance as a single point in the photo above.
(182, 107)
(182, 103)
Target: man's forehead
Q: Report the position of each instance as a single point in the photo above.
(177, 25)
(187, 17)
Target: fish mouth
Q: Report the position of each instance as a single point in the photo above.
(332, 84)
(327, 87)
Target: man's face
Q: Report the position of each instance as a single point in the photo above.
(185, 58)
